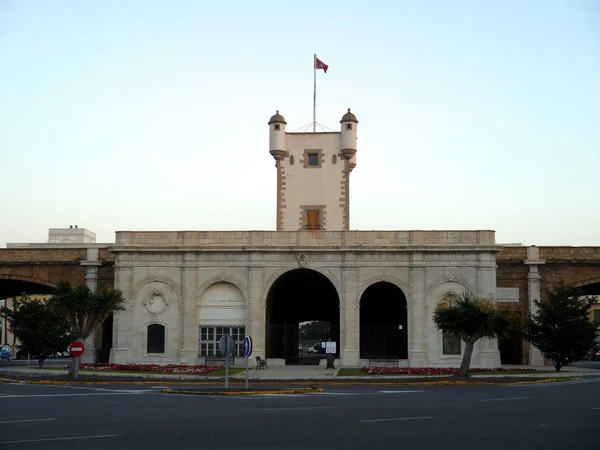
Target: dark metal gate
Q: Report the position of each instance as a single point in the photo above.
(382, 342)
(284, 341)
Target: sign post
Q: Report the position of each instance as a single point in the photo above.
(76, 349)
(247, 353)
(226, 346)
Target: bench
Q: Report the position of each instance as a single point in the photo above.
(211, 359)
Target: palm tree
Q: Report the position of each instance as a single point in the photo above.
(86, 309)
(471, 318)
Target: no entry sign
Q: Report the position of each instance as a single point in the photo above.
(76, 349)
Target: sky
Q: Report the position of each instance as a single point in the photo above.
(150, 115)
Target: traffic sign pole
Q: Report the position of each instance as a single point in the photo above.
(76, 349)
(247, 353)
(246, 372)
(226, 345)
(226, 363)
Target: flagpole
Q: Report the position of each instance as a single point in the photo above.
(315, 93)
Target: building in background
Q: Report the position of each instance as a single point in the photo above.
(372, 292)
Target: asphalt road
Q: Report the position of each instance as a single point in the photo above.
(34, 362)
(543, 416)
(587, 364)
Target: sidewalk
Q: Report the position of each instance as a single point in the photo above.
(299, 373)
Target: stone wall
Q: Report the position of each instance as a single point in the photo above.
(178, 268)
(243, 239)
(533, 275)
(43, 266)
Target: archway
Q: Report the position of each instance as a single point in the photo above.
(383, 322)
(307, 297)
(590, 288)
(593, 289)
(12, 286)
(511, 347)
(106, 340)
(222, 312)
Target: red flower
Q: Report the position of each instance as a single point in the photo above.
(432, 370)
(155, 368)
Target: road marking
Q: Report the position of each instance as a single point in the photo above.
(27, 420)
(335, 393)
(595, 408)
(72, 438)
(399, 392)
(281, 395)
(73, 395)
(299, 408)
(95, 388)
(501, 399)
(398, 419)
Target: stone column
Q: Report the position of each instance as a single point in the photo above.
(419, 309)
(91, 264)
(256, 313)
(487, 349)
(534, 293)
(349, 319)
(188, 351)
(122, 321)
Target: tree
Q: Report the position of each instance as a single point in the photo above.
(471, 318)
(315, 329)
(41, 327)
(561, 329)
(86, 309)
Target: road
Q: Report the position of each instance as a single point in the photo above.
(542, 416)
(587, 364)
(34, 362)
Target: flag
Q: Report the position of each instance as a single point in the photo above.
(321, 65)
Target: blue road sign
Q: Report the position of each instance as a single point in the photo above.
(247, 346)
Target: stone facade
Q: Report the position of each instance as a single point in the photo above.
(184, 287)
(38, 268)
(313, 175)
(180, 268)
(524, 273)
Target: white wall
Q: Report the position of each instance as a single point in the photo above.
(222, 304)
(313, 185)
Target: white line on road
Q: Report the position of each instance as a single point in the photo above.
(27, 420)
(71, 395)
(397, 419)
(501, 399)
(595, 408)
(299, 408)
(335, 393)
(72, 438)
(94, 388)
(399, 392)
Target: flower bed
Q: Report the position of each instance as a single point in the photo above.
(156, 368)
(434, 370)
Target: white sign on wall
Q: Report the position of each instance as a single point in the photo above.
(330, 347)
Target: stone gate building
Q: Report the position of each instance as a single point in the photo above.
(376, 289)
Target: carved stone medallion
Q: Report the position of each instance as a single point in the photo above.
(301, 258)
(156, 303)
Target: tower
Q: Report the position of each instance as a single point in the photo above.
(313, 175)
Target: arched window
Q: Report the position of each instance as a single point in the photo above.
(156, 338)
(451, 343)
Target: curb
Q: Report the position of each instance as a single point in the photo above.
(291, 382)
(9, 380)
(485, 383)
(225, 393)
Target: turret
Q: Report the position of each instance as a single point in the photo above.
(349, 124)
(277, 125)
